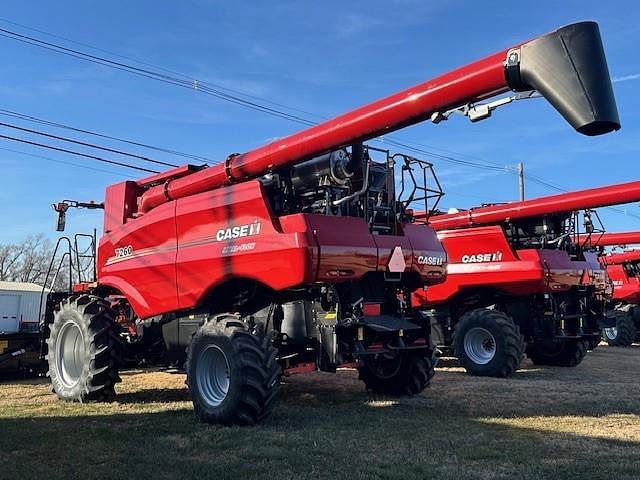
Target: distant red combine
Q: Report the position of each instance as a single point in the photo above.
(624, 270)
(521, 280)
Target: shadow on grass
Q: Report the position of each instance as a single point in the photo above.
(21, 378)
(303, 441)
(579, 423)
(154, 395)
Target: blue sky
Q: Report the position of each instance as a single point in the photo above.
(323, 57)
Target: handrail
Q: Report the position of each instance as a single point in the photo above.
(67, 254)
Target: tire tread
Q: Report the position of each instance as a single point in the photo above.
(514, 345)
(99, 379)
(261, 372)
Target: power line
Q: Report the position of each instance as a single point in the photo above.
(205, 88)
(64, 162)
(72, 152)
(159, 67)
(191, 85)
(31, 118)
(449, 152)
(84, 144)
(445, 158)
(172, 77)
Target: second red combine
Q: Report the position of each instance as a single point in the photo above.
(521, 280)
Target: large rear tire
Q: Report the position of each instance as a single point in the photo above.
(624, 333)
(82, 350)
(402, 373)
(488, 343)
(232, 374)
(567, 353)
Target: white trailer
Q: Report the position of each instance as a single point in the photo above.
(20, 306)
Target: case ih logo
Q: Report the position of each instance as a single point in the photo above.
(426, 260)
(238, 232)
(482, 257)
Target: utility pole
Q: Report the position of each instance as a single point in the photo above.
(521, 180)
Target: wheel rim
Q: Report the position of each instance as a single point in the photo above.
(70, 354)
(611, 332)
(212, 373)
(479, 345)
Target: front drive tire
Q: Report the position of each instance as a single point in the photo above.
(232, 374)
(488, 343)
(82, 350)
(624, 333)
(405, 373)
(567, 353)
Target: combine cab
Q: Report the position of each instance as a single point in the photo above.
(299, 255)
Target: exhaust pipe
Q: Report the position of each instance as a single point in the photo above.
(568, 67)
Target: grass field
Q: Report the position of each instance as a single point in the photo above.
(581, 423)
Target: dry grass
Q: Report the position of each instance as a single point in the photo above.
(581, 423)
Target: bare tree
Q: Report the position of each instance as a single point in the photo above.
(9, 257)
(28, 261)
(36, 253)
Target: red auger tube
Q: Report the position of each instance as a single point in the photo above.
(478, 80)
(564, 202)
(567, 67)
(620, 258)
(611, 238)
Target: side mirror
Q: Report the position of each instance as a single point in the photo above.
(62, 221)
(61, 208)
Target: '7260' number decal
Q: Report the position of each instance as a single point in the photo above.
(126, 251)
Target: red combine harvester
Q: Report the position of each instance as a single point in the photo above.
(298, 255)
(520, 280)
(624, 270)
